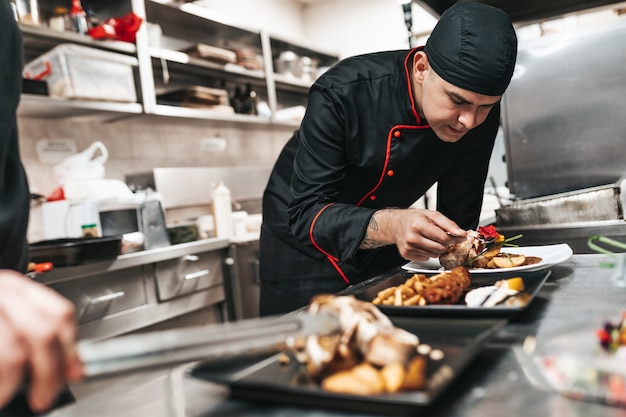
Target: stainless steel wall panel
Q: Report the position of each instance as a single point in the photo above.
(564, 114)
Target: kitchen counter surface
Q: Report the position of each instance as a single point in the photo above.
(578, 295)
(130, 260)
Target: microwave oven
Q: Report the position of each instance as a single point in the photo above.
(146, 217)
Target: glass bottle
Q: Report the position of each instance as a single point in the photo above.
(250, 98)
(237, 100)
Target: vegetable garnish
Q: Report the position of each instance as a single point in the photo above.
(492, 236)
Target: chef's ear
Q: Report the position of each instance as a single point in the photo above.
(420, 66)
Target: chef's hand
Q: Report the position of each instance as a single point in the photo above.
(37, 339)
(419, 234)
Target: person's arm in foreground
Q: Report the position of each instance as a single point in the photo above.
(37, 341)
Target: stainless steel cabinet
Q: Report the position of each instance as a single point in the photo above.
(102, 295)
(143, 289)
(188, 274)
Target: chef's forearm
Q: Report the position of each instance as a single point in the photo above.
(379, 230)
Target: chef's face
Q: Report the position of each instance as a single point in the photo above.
(449, 110)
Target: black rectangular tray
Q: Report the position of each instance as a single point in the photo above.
(76, 251)
(533, 281)
(270, 381)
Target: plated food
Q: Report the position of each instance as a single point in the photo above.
(444, 288)
(550, 255)
(370, 356)
(453, 287)
(482, 249)
(455, 342)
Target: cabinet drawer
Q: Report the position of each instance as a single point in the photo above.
(188, 274)
(100, 295)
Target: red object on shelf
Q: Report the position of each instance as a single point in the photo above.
(118, 28)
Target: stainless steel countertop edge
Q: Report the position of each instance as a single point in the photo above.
(134, 259)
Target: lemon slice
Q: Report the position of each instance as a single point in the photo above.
(515, 284)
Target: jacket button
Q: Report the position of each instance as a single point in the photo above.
(372, 197)
(397, 134)
(390, 173)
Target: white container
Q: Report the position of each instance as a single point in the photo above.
(222, 211)
(239, 223)
(65, 219)
(80, 72)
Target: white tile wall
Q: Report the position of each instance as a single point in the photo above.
(138, 145)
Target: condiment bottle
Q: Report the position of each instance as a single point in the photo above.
(250, 100)
(60, 19)
(222, 211)
(78, 17)
(238, 100)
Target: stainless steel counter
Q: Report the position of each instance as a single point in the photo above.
(130, 260)
(577, 294)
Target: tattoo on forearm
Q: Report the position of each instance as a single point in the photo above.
(369, 243)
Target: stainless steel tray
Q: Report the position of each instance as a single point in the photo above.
(271, 381)
(533, 281)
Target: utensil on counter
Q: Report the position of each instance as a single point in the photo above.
(219, 343)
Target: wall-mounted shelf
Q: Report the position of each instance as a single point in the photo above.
(38, 106)
(163, 67)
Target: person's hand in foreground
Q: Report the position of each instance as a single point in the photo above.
(37, 341)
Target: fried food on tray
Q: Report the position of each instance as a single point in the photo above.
(444, 288)
(415, 377)
(362, 379)
(366, 335)
(448, 287)
(370, 356)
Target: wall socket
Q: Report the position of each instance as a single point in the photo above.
(214, 144)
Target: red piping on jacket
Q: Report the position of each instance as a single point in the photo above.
(410, 55)
(394, 128)
(333, 260)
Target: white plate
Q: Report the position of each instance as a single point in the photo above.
(550, 255)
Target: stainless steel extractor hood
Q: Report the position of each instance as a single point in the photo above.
(524, 11)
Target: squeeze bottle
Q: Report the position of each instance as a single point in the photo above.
(222, 211)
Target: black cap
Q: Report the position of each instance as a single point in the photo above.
(474, 47)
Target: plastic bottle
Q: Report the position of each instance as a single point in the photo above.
(79, 18)
(222, 211)
(60, 19)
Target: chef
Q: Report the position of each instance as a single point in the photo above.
(37, 328)
(379, 131)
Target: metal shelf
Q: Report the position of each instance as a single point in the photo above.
(37, 106)
(36, 37)
(199, 65)
(206, 115)
(182, 25)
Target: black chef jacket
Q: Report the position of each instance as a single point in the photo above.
(361, 147)
(14, 193)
